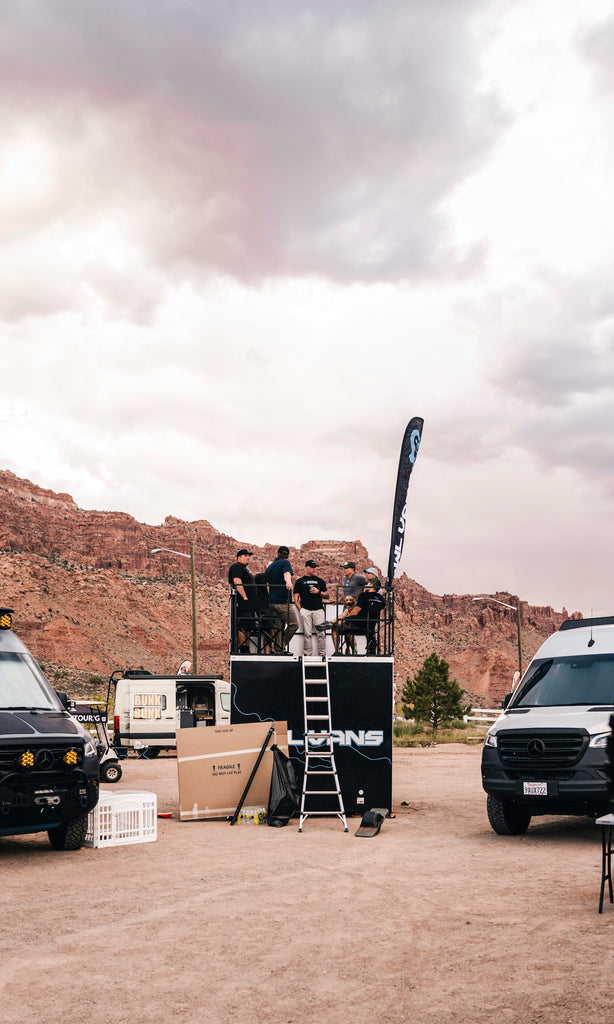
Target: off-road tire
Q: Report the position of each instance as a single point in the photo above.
(152, 752)
(70, 835)
(507, 818)
(110, 772)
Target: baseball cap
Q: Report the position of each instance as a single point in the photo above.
(283, 551)
(244, 551)
(348, 565)
(312, 565)
(372, 571)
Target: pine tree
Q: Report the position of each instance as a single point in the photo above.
(431, 696)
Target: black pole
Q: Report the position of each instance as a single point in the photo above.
(236, 814)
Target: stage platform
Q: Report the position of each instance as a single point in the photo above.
(270, 688)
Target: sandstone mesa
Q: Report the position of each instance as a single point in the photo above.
(89, 597)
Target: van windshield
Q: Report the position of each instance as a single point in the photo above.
(23, 685)
(575, 679)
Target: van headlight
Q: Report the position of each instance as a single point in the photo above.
(90, 750)
(491, 739)
(600, 739)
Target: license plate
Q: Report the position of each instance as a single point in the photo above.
(535, 788)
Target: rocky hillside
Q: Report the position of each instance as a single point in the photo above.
(89, 597)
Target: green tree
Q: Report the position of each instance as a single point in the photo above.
(431, 696)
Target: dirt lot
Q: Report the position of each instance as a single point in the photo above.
(436, 918)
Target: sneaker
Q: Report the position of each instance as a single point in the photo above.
(321, 626)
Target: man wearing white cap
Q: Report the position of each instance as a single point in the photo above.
(373, 577)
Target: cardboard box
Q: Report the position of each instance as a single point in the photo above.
(214, 764)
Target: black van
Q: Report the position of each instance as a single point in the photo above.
(49, 778)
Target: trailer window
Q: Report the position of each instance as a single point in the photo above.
(225, 701)
(148, 706)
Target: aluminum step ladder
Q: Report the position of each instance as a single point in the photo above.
(321, 795)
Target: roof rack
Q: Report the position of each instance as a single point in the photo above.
(604, 620)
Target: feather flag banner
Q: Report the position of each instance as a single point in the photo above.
(409, 452)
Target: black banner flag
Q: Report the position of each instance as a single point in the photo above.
(409, 451)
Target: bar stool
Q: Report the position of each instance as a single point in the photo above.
(607, 824)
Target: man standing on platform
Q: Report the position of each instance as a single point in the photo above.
(309, 591)
(279, 579)
(241, 580)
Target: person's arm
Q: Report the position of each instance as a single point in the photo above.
(297, 598)
(347, 613)
(324, 594)
(238, 585)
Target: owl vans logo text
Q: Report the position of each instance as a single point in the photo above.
(344, 738)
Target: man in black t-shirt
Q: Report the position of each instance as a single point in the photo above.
(309, 591)
(363, 619)
(241, 580)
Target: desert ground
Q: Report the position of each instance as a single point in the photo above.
(434, 919)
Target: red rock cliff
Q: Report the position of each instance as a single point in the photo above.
(88, 594)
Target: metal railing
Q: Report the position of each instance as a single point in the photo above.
(483, 716)
(257, 629)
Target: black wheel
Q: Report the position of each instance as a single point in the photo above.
(507, 818)
(110, 771)
(152, 751)
(70, 835)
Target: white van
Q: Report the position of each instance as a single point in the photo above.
(546, 753)
(149, 709)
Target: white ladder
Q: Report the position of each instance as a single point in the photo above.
(321, 793)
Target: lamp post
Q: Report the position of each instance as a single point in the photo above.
(182, 554)
(514, 608)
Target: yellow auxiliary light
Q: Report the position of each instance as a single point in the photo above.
(26, 760)
(6, 620)
(70, 757)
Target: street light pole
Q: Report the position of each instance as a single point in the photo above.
(182, 554)
(514, 608)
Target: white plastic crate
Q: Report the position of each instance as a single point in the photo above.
(120, 818)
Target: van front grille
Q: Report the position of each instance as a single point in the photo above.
(541, 749)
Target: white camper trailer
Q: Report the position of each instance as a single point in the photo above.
(149, 709)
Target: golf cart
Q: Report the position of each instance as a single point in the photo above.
(91, 715)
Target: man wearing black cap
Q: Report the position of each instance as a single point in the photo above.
(309, 590)
(279, 578)
(353, 582)
(241, 580)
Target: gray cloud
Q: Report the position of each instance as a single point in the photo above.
(262, 138)
(597, 47)
(551, 369)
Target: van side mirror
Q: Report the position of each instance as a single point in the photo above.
(506, 700)
(63, 698)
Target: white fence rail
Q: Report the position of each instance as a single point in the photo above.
(485, 716)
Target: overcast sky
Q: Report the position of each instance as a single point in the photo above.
(244, 242)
